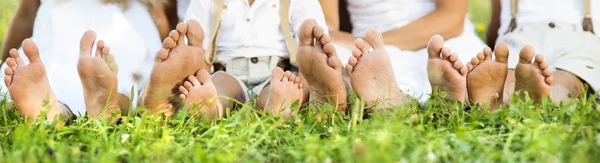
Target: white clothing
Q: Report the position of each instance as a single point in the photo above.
(410, 67)
(536, 11)
(182, 6)
(253, 31)
(57, 32)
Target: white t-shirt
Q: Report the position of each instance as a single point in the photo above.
(253, 31)
(182, 6)
(541, 11)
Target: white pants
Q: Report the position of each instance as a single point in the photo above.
(565, 46)
(410, 67)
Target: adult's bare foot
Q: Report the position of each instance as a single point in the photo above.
(531, 76)
(486, 78)
(446, 72)
(199, 94)
(98, 76)
(320, 66)
(28, 85)
(371, 73)
(173, 64)
(286, 88)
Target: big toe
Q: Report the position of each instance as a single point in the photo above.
(277, 74)
(501, 52)
(31, 51)
(195, 33)
(306, 35)
(374, 38)
(87, 42)
(435, 45)
(526, 55)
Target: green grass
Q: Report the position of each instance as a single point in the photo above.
(523, 132)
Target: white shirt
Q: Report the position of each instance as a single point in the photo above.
(182, 6)
(541, 11)
(253, 31)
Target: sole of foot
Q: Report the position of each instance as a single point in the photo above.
(371, 73)
(533, 76)
(98, 76)
(199, 94)
(28, 84)
(486, 77)
(445, 71)
(320, 66)
(173, 64)
(286, 89)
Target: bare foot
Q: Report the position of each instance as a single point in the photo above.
(446, 72)
(28, 85)
(199, 93)
(173, 64)
(486, 78)
(535, 78)
(320, 66)
(371, 74)
(98, 76)
(286, 88)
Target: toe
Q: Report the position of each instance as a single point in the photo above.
(549, 80)
(330, 50)
(292, 77)
(99, 47)
(374, 38)
(182, 29)
(475, 61)
(480, 56)
(446, 53)
(297, 81)
(203, 76)
(457, 65)
(356, 53)
(194, 80)
(539, 59)
(501, 52)
(183, 90)
(161, 55)
(349, 69)
(353, 61)
(334, 62)
(306, 32)
(188, 85)
(169, 43)
(86, 43)
(547, 72)
(464, 71)
(8, 81)
(435, 45)
(17, 58)
(195, 33)
(526, 55)
(9, 72)
(174, 35)
(277, 74)
(453, 57)
(326, 39)
(487, 53)
(543, 65)
(362, 46)
(182, 97)
(318, 32)
(10, 61)
(469, 67)
(286, 76)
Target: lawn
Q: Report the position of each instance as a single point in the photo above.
(521, 132)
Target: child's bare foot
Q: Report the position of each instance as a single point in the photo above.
(320, 66)
(446, 72)
(98, 76)
(173, 64)
(371, 74)
(28, 84)
(286, 88)
(535, 78)
(486, 78)
(199, 93)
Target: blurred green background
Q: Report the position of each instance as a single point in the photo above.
(479, 13)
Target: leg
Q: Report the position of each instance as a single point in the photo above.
(285, 89)
(371, 73)
(485, 81)
(228, 87)
(99, 77)
(509, 86)
(446, 72)
(173, 64)
(535, 78)
(565, 83)
(28, 85)
(320, 66)
(199, 93)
